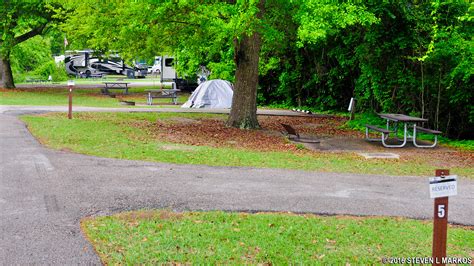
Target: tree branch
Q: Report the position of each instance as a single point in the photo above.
(29, 34)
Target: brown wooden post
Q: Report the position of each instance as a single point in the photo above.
(70, 85)
(69, 115)
(440, 225)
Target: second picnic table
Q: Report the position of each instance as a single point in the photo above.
(115, 85)
(162, 93)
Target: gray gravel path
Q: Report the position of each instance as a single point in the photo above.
(44, 194)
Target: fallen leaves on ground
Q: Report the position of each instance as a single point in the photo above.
(214, 133)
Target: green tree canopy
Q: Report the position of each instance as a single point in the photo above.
(230, 37)
(21, 20)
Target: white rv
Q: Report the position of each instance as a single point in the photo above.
(77, 62)
(83, 62)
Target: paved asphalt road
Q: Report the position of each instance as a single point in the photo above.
(44, 194)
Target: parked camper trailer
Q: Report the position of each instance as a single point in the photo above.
(168, 73)
(163, 66)
(84, 62)
(78, 62)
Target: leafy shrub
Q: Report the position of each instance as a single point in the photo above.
(32, 59)
(57, 71)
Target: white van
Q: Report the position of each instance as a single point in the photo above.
(164, 67)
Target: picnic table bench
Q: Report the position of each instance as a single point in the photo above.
(115, 86)
(161, 93)
(385, 132)
(427, 131)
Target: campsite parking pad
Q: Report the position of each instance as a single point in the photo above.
(44, 194)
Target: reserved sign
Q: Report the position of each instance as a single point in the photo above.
(443, 186)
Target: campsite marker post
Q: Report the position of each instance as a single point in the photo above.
(441, 186)
(70, 85)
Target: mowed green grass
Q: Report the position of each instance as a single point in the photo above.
(114, 135)
(151, 237)
(81, 97)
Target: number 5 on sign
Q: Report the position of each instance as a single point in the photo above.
(441, 212)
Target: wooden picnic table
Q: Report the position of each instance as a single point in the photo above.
(109, 85)
(408, 122)
(161, 93)
(402, 118)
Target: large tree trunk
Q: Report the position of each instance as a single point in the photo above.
(244, 103)
(7, 76)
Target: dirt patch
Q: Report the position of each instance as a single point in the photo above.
(330, 130)
(312, 126)
(176, 147)
(170, 215)
(214, 133)
(134, 216)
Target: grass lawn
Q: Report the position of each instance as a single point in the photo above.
(150, 237)
(81, 97)
(116, 135)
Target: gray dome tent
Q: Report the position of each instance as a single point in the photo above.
(216, 93)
